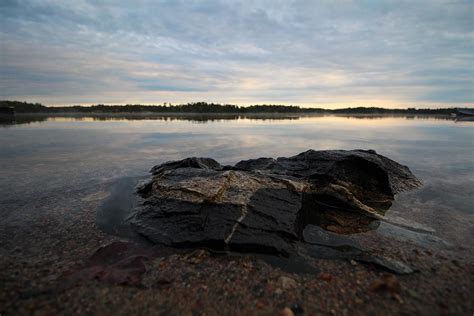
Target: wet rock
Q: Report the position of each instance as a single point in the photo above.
(401, 233)
(328, 245)
(116, 263)
(207, 207)
(316, 235)
(264, 205)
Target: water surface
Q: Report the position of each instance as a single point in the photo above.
(42, 156)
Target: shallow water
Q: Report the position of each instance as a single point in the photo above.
(42, 156)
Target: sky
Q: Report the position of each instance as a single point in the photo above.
(310, 53)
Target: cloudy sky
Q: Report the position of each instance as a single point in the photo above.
(310, 53)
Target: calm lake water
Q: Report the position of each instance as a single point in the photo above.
(43, 156)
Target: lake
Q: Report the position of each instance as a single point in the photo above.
(41, 157)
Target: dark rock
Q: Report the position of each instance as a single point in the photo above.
(116, 263)
(328, 245)
(297, 309)
(193, 206)
(200, 163)
(263, 205)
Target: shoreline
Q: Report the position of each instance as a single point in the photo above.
(222, 114)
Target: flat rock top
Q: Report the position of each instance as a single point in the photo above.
(265, 204)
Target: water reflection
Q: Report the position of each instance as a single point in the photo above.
(205, 118)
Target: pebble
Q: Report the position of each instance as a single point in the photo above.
(297, 309)
(387, 282)
(325, 276)
(286, 312)
(287, 283)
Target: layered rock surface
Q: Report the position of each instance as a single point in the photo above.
(264, 205)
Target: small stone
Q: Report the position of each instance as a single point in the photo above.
(50, 278)
(248, 265)
(163, 280)
(397, 298)
(286, 312)
(258, 290)
(287, 283)
(325, 277)
(297, 309)
(387, 282)
(353, 262)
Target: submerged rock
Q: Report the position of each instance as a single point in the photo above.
(264, 205)
(116, 263)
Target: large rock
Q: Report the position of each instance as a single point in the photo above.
(263, 205)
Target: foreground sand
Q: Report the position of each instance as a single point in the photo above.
(55, 234)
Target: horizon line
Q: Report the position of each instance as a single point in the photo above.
(321, 107)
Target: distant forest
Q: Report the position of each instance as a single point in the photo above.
(204, 107)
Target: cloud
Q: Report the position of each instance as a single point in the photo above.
(394, 53)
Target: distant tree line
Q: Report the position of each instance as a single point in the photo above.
(204, 107)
